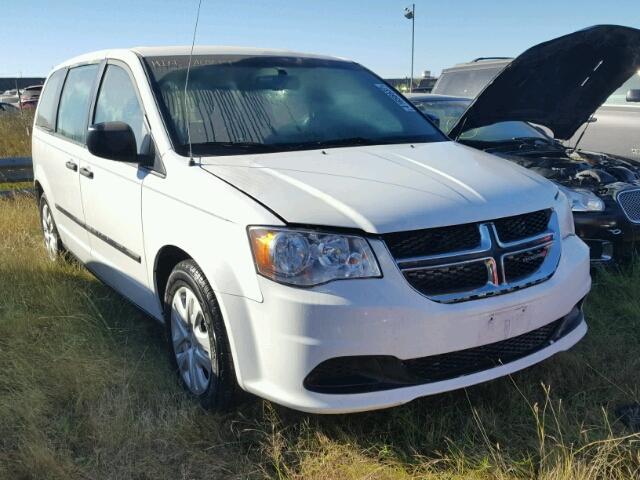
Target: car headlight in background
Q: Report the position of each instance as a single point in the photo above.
(307, 258)
(565, 216)
(583, 200)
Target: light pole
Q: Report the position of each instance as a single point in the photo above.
(410, 13)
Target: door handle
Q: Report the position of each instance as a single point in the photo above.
(72, 166)
(86, 172)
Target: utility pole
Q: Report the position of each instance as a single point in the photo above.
(410, 13)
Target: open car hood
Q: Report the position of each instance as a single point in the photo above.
(558, 84)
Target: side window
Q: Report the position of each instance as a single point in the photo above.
(48, 101)
(619, 97)
(118, 102)
(74, 102)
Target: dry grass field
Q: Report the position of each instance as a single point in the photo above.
(86, 392)
(14, 135)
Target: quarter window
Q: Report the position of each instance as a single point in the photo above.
(118, 102)
(619, 97)
(74, 102)
(48, 100)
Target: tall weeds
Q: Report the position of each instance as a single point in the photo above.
(15, 134)
(86, 391)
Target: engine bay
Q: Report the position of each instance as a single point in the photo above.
(602, 174)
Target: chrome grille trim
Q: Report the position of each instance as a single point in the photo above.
(517, 243)
(629, 201)
(547, 245)
(493, 252)
(485, 246)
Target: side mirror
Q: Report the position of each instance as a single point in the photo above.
(633, 95)
(113, 141)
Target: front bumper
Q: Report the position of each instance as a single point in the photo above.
(609, 234)
(277, 343)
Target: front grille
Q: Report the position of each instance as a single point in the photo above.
(522, 264)
(447, 279)
(518, 227)
(629, 201)
(433, 241)
(470, 261)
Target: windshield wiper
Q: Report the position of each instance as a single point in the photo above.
(535, 141)
(230, 148)
(533, 144)
(354, 142)
(256, 147)
(336, 142)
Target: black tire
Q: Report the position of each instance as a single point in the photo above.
(222, 387)
(57, 251)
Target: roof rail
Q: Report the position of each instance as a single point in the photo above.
(481, 59)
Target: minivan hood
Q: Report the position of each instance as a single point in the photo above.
(560, 83)
(385, 188)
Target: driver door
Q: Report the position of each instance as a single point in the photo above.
(112, 192)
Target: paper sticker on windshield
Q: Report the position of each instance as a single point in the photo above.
(395, 97)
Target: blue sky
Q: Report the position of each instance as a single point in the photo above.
(37, 34)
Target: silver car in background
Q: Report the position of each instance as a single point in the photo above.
(615, 126)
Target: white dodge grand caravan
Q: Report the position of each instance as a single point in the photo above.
(303, 232)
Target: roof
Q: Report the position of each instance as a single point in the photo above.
(186, 50)
(223, 50)
(480, 64)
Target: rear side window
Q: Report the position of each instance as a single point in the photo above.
(74, 102)
(619, 97)
(118, 102)
(48, 101)
(465, 83)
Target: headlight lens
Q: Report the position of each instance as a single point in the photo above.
(306, 258)
(565, 216)
(583, 200)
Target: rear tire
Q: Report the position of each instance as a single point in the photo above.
(52, 242)
(197, 338)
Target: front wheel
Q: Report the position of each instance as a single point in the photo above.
(52, 242)
(197, 337)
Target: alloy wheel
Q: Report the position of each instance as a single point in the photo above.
(49, 232)
(191, 342)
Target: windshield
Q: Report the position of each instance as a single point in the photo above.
(506, 132)
(247, 104)
(447, 112)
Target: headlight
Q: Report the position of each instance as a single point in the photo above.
(306, 258)
(565, 217)
(583, 200)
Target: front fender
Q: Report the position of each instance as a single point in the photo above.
(207, 218)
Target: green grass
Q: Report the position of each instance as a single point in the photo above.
(86, 391)
(15, 186)
(15, 131)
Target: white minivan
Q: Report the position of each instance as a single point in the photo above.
(303, 232)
